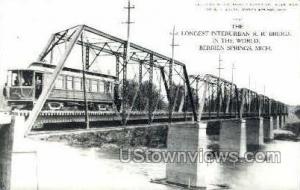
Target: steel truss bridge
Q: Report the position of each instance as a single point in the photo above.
(188, 97)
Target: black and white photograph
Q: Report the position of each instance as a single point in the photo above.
(153, 95)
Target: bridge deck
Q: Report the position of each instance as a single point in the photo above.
(101, 118)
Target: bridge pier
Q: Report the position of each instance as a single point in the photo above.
(276, 122)
(213, 127)
(255, 132)
(233, 136)
(281, 121)
(185, 137)
(6, 146)
(268, 128)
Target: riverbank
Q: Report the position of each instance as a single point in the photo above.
(112, 140)
(154, 137)
(283, 134)
(291, 131)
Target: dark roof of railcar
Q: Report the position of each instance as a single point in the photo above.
(72, 70)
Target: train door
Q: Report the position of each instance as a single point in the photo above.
(38, 84)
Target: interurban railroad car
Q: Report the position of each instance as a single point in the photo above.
(24, 86)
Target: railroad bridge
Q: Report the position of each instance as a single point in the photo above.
(172, 94)
(243, 116)
(188, 97)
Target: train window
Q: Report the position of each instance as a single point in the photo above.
(87, 85)
(107, 87)
(69, 83)
(101, 86)
(94, 86)
(26, 78)
(21, 78)
(59, 83)
(77, 84)
(9, 78)
(15, 78)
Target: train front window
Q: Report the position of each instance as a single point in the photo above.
(15, 78)
(21, 78)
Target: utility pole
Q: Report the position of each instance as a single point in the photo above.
(232, 72)
(229, 103)
(171, 103)
(128, 23)
(249, 81)
(126, 60)
(218, 85)
(219, 68)
(249, 98)
(84, 64)
(264, 100)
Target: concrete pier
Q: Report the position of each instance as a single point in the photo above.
(276, 122)
(233, 136)
(6, 146)
(268, 128)
(187, 138)
(281, 121)
(213, 127)
(255, 132)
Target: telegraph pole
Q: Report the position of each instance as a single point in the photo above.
(128, 22)
(231, 87)
(219, 68)
(232, 72)
(171, 103)
(86, 107)
(249, 81)
(219, 87)
(126, 60)
(249, 99)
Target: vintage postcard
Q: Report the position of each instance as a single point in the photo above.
(155, 95)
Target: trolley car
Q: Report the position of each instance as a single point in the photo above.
(24, 86)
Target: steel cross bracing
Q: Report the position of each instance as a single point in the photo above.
(206, 97)
(222, 99)
(102, 44)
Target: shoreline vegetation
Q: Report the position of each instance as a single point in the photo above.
(140, 137)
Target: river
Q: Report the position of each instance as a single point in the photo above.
(60, 166)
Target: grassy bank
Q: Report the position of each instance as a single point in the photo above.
(151, 137)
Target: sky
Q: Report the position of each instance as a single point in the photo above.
(26, 25)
